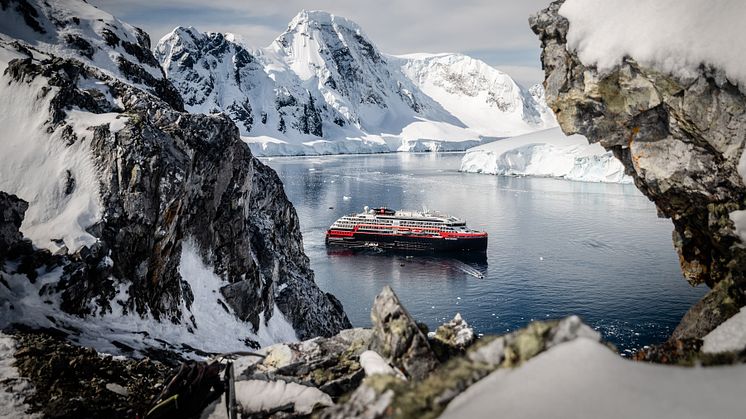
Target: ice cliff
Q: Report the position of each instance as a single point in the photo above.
(547, 153)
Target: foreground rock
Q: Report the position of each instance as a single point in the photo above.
(343, 376)
(681, 140)
(583, 379)
(398, 338)
(71, 381)
(373, 373)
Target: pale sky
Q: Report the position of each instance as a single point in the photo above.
(495, 31)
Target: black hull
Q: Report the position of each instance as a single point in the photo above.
(409, 244)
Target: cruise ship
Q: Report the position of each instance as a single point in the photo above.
(385, 228)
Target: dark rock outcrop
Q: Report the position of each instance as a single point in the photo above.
(680, 140)
(71, 381)
(398, 338)
(165, 178)
(11, 216)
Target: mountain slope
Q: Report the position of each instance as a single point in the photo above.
(323, 87)
(141, 214)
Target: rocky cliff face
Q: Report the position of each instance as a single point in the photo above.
(681, 139)
(147, 203)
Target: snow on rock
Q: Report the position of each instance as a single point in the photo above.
(673, 36)
(117, 177)
(546, 153)
(485, 99)
(255, 396)
(373, 363)
(58, 179)
(323, 87)
(78, 30)
(456, 333)
(210, 329)
(13, 388)
(730, 336)
(584, 379)
(671, 112)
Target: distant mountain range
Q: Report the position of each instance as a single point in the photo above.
(324, 87)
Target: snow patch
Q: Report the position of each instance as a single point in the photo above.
(547, 153)
(57, 179)
(373, 363)
(673, 36)
(263, 396)
(729, 336)
(205, 326)
(584, 379)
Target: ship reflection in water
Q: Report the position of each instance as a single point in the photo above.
(433, 264)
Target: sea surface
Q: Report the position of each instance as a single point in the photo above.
(556, 247)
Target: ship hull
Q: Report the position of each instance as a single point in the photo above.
(409, 243)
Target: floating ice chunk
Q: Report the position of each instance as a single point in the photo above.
(547, 153)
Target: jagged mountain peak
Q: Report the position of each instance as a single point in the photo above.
(307, 20)
(324, 79)
(75, 29)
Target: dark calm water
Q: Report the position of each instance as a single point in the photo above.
(556, 247)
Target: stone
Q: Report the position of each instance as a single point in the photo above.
(397, 337)
(383, 395)
(12, 210)
(452, 337)
(680, 139)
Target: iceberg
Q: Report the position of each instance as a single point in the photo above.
(546, 153)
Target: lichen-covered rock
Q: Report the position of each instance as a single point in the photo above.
(452, 337)
(382, 396)
(72, 381)
(397, 337)
(330, 364)
(680, 140)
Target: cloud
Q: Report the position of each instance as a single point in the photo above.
(496, 31)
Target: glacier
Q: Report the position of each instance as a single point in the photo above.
(323, 87)
(547, 153)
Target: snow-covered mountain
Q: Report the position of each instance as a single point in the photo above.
(324, 87)
(146, 226)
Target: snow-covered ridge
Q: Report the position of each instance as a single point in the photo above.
(546, 153)
(323, 87)
(151, 214)
(75, 29)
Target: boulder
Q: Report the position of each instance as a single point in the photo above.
(398, 338)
